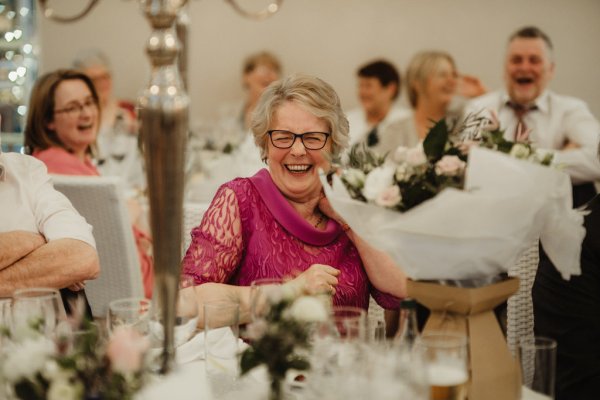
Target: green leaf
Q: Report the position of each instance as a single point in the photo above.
(299, 363)
(249, 360)
(435, 141)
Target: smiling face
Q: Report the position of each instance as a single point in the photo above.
(440, 85)
(374, 97)
(528, 69)
(75, 118)
(295, 171)
(259, 78)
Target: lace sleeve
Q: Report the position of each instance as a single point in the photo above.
(216, 248)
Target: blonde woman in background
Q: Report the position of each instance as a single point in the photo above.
(435, 91)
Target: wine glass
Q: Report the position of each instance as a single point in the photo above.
(37, 308)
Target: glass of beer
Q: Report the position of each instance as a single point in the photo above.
(446, 359)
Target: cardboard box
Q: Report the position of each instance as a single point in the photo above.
(494, 373)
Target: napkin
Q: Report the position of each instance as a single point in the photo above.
(193, 349)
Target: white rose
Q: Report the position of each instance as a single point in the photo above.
(256, 329)
(403, 173)
(416, 156)
(355, 177)
(308, 309)
(520, 151)
(390, 197)
(28, 358)
(449, 166)
(377, 181)
(400, 154)
(61, 389)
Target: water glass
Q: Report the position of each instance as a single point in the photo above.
(538, 365)
(221, 330)
(446, 359)
(186, 321)
(350, 322)
(264, 292)
(37, 308)
(133, 312)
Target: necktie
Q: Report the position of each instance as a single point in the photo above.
(520, 112)
(372, 137)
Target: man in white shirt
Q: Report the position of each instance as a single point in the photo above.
(560, 124)
(378, 88)
(44, 242)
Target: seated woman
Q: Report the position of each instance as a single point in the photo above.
(62, 125)
(435, 91)
(277, 223)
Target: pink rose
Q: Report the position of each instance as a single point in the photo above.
(389, 197)
(126, 350)
(450, 166)
(416, 156)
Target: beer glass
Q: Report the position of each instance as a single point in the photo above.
(446, 359)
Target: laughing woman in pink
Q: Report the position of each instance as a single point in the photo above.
(277, 224)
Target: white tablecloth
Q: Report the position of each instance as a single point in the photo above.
(189, 382)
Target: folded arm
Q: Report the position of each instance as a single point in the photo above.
(16, 245)
(58, 264)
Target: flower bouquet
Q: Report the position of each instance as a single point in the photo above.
(76, 365)
(453, 209)
(280, 340)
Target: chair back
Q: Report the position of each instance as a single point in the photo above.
(101, 202)
(192, 216)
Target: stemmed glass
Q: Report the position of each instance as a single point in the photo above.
(37, 308)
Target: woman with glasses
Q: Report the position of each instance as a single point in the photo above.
(61, 130)
(277, 223)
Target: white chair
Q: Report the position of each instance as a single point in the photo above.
(192, 216)
(520, 320)
(100, 200)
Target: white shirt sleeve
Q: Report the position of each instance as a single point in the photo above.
(55, 216)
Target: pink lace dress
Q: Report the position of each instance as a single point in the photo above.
(250, 232)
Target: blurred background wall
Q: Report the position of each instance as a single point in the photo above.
(331, 38)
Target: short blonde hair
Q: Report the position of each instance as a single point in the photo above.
(421, 67)
(311, 93)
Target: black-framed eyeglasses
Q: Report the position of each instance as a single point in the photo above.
(286, 139)
(77, 108)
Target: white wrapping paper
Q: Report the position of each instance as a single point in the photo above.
(478, 232)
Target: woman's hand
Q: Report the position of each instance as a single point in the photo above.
(317, 279)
